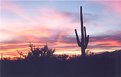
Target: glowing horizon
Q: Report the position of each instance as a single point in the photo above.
(54, 22)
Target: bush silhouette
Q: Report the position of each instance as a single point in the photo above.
(98, 65)
(36, 53)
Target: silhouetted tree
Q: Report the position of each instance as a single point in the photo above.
(21, 54)
(84, 37)
(36, 53)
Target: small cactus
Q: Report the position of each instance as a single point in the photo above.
(84, 37)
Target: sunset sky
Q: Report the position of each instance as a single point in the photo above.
(23, 21)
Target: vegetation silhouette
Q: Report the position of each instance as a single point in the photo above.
(84, 37)
(106, 64)
(41, 62)
(39, 52)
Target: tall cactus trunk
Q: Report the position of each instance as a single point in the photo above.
(82, 32)
(84, 38)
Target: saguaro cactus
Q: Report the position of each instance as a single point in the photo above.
(84, 37)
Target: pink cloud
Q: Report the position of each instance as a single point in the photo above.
(112, 6)
(46, 23)
(54, 19)
(15, 9)
(116, 7)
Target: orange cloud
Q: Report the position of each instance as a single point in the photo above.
(105, 43)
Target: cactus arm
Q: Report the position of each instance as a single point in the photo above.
(86, 38)
(85, 32)
(77, 37)
(87, 41)
(85, 35)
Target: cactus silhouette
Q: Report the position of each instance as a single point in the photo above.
(84, 37)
